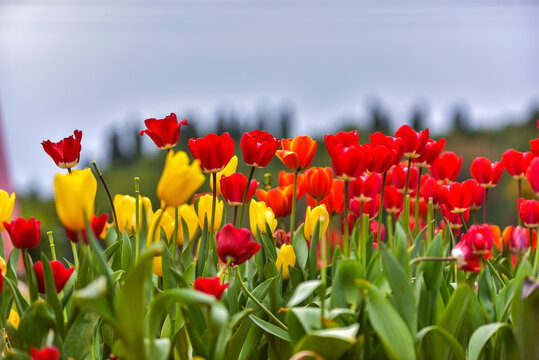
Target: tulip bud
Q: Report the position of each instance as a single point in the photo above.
(285, 258)
(126, 213)
(13, 318)
(319, 213)
(74, 197)
(210, 286)
(259, 216)
(7, 202)
(204, 211)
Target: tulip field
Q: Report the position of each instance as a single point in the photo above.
(393, 258)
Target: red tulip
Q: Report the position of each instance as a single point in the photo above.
(66, 152)
(454, 218)
(486, 173)
(258, 148)
(233, 188)
(374, 231)
(414, 142)
(97, 224)
(399, 174)
(297, 153)
(479, 239)
(59, 272)
(278, 199)
(516, 163)
(371, 207)
(165, 132)
(430, 188)
(214, 152)
(519, 241)
(479, 199)
(210, 286)
(286, 178)
(460, 196)
(430, 153)
(365, 187)
(529, 212)
(534, 147)
(446, 168)
(393, 200)
(1, 282)
(381, 159)
(47, 353)
(423, 207)
(235, 245)
(281, 238)
(318, 182)
(532, 174)
(24, 234)
(465, 258)
(349, 159)
(334, 201)
(395, 145)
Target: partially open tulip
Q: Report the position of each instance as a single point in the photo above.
(465, 258)
(187, 213)
(285, 259)
(381, 160)
(519, 241)
(60, 274)
(229, 169)
(393, 200)
(446, 168)
(161, 221)
(258, 148)
(516, 163)
(365, 187)
(233, 188)
(486, 173)
(430, 153)
(399, 174)
(211, 286)
(414, 141)
(348, 158)
(297, 153)
(74, 197)
(235, 246)
(279, 199)
(479, 239)
(529, 212)
(460, 196)
(534, 146)
(179, 180)
(312, 217)
(260, 215)
(318, 181)
(24, 234)
(46, 353)
(532, 174)
(334, 201)
(430, 188)
(97, 224)
(165, 132)
(66, 152)
(7, 202)
(126, 207)
(204, 211)
(287, 178)
(214, 152)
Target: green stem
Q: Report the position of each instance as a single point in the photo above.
(407, 176)
(431, 258)
(364, 236)
(345, 214)
(75, 256)
(430, 222)
(389, 219)
(51, 244)
(29, 275)
(381, 211)
(463, 222)
(115, 218)
(213, 204)
(416, 212)
(293, 215)
(519, 181)
(235, 215)
(245, 195)
(175, 235)
(137, 220)
(258, 303)
(493, 269)
(69, 170)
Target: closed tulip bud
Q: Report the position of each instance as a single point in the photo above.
(7, 202)
(312, 217)
(485, 172)
(204, 211)
(24, 234)
(60, 274)
(211, 286)
(189, 215)
(14, 318)
(233, 189)
(285, 259)
(516, 163)
(529, 212)
(260, 215)
(179, 180)
(318, 182)
(229, 169)
(74, 197)
(126, 207)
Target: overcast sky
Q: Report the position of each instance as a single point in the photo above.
(90, 64)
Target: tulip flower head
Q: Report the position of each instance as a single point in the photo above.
(229, 169)
(287, 178)
(334, 201)
(312, 217)
(260, 215)
(430, 188)
(126, 212)
(349, 159)
(165, 132)
(486, 173)
(382, 160)
(211, 286)
(285, 259)
(47, 353)
(414, 141)
(258, 148)
(398, 175)
(214, 152)
(179, 180)
(14, 318)
(516, 163)
(532, 174)
(519, 241)
(24, 234)
(278, 199)
(235, 246)
(7, 202)
(393, 200)
(66, 152)
(60, 274)
(446, 168)
(453, 218)
(233, 188)
(365, 187)
(204, 211)
(460, 196)
(479, 239)
(529, 212)
(534, 146)
(464, 256)
(97, 224)
(318, 182)
(430, 153)
(297, 153)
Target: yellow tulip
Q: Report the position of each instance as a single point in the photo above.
(189, 215)
(319, 213)
(126, 207)
(3, 267)
(260, 215)
(158, 266)
(229, 169)
(74, 197)
(165, 222)
(285, 258)
(179, 180)
(7, 202)
(13, 318)
(204, 210)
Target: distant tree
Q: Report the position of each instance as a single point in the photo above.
(221, 122)
(534, 115)
(418, 119)
(137, 140)
(116, 154)
(378, 118)
(286, 115)
(461, 120)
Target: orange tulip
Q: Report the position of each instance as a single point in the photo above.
(278, 199)
(297, 153)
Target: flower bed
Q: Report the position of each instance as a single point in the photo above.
(401, 272)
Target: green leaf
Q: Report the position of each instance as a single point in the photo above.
(313, 251)
(94, 297)
(35, 324)
(525, 317)
(126, 252)
(20, 301)
(302, 321)
(78, 341)
(111, 250)
(389, 326)
(15, 354)
(251, 341)
(303, 291)
(260, 292)
(482, 335)
(330, 344)
(458, 351)
(270, 328)
(432, 270)
(158, 349)
(203, 250)
(300, 248)
(348, 272)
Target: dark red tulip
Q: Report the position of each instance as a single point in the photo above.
(24, 234)
(532, 174)
(214, 152)
(446, 168)
(485, 172)
(334, 201)
(430, 153)
(460, 196)
(414, 141)
(454, 218)
(59, 272)
(365, 187)
(479, 239)
(47, 353)
(281, 238)
(233, 188)
(165, 132)
(529, 212)
(318, 181)
(399, 175)
(287, 178)
(393, 200)
(349, 159)
(210, 286)
(516, 163)
(465, 258)
(235, 245)
(534, 146)
(97, 224)
(66, 152)
(430, 188)
(258, 148)
(278, 199)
